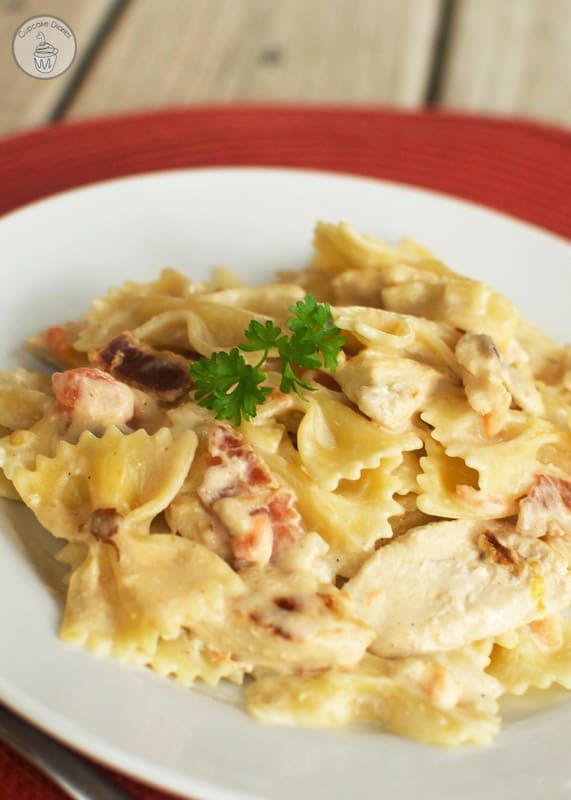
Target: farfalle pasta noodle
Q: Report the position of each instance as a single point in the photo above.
(187, 659)
(353, 518)
(506, 462)
(24, 399)
(271, 301)
(449, 488)
(538, 656)
(131, 305)
(22, 447)
(391, 545)
(160, 585)
(215, 326)
(137, 475)
(448, 700)
(335, 442)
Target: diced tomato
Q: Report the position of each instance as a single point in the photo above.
(91, 398)
(57, 340)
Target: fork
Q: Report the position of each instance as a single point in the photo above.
(75, 776)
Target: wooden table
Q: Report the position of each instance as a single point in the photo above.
(490, 56)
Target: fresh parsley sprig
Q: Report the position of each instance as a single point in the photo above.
(233, 389)
(228, 385)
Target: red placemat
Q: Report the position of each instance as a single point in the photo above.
(520, 168)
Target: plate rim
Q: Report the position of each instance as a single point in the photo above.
(255, 168)
(132, 765)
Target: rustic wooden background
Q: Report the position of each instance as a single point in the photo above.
(510, 57)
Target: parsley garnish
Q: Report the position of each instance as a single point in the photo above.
(228, 385)
(233, 389)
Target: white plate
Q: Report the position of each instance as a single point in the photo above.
(59, 253)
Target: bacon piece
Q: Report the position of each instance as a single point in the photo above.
(103, 524)
(163, 373)
(259, 516)
(285, 520)
(232, 468)
(246, 519)
(546, 509)
(325, 379)
(91, 398)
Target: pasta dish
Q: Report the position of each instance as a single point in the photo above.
(348, 491)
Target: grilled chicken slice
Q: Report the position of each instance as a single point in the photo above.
(446, 584)
(388, 389)
(289, 623)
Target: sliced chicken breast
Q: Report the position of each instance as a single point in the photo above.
(388, 389)
(446, 584)
(289, 623)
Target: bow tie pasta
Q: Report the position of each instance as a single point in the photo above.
(384, 538)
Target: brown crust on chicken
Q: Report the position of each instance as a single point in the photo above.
(277, 630)
(492, 550)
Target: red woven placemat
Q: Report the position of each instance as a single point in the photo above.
(520, 168)
(517, 167)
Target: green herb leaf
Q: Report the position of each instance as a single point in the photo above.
(232, 388)
(228, 385)
(261, 337)
(291, 382)
(313, 324)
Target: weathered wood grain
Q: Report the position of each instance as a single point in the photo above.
(498, 56)
(510, 57)
(196, 51)
(25, 101)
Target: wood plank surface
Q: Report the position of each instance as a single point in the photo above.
(196, 51)
(497, 56)
(509, 56)
(27, 101)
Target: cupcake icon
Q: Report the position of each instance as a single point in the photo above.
(45, 55)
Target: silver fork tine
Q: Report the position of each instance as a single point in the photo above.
(76, 777)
